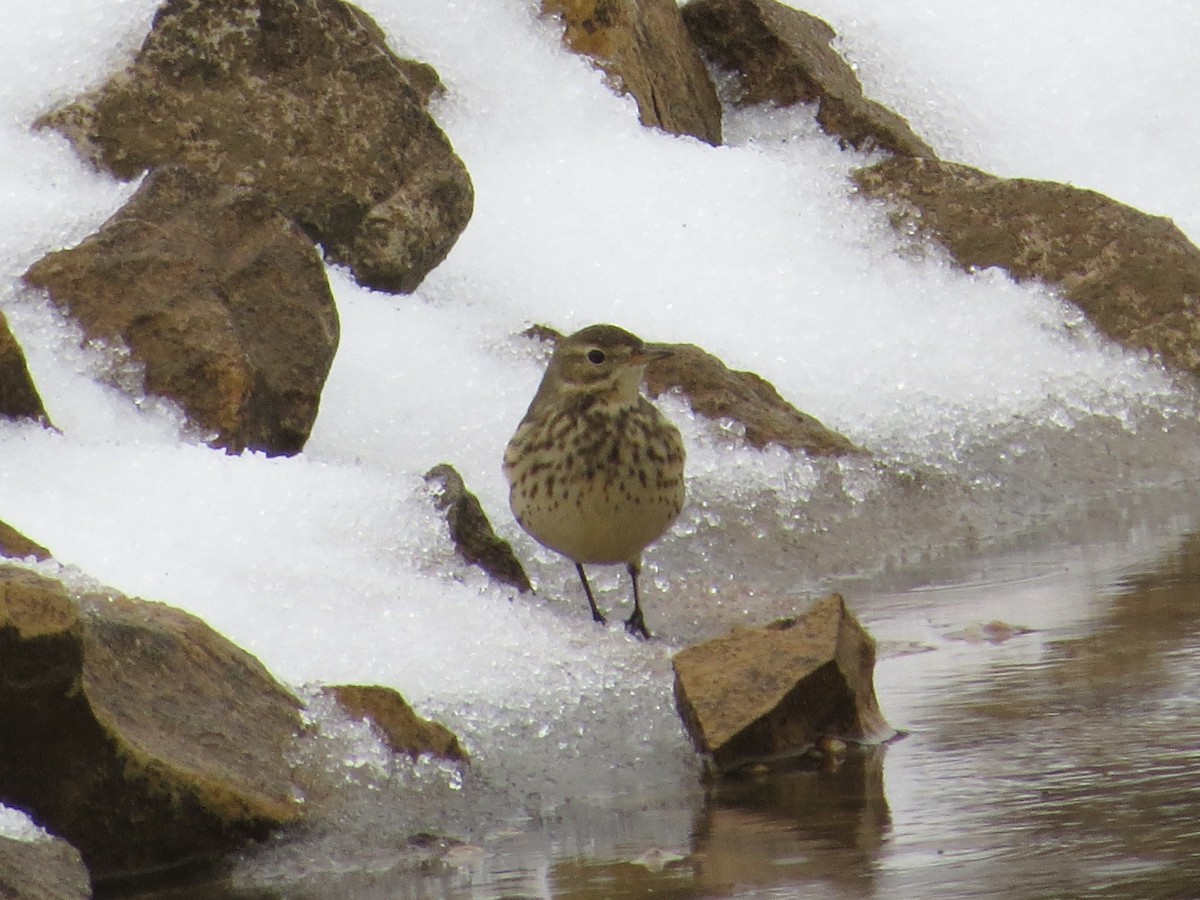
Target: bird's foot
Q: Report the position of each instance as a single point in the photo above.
(598, 617)
(636, 625)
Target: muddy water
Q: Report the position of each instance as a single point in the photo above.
(1053, 751)
(1064, 762)
(1051, 697)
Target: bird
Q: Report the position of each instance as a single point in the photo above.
(595, 470)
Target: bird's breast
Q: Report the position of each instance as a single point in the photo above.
(597, 487)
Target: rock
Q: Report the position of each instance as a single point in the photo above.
(717, 392)
(395, 722)
(15, 545)
(19, 398)
(472, 533)
(42, 869)
(993, 632)
(302, 100)
(218, 295)
(777, 690)
(1135, 276)
(663, 874)
(644, 49)
(135, 731)
(784, 56)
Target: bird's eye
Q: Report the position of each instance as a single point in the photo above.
(596, 356)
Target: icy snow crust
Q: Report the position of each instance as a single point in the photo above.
(990, 407)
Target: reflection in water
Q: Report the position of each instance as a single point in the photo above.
(1077, 773)
(1064, 762)
(824, 825)
(819, 826)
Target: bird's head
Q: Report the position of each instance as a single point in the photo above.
(602, 361)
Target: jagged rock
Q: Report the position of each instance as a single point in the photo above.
(15, 545)
(776, 690)
(784, 56)
(302, 100)
(43, 869)
(135, 731)
(717, 392)
(1135, 276)
(19, 398)
(396, 723)
(218, 295)
(472, 533)
(644, 49)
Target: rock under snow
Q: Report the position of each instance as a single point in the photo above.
(135, 731)
(222, 300)
(303, 101)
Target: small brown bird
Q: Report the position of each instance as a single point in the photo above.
(595, 470)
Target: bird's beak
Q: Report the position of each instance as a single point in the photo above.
(650, 352)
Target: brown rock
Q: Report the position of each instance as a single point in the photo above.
(42, 869)
(775, 691)
(993, 632)
(302, 100)
(717, 392)
(472, 533)
(135, 731)
(222, 299)
(1135, 276)
(19, 398)
(644, 49)
(784, 56)
(395, 722)
(15, 545)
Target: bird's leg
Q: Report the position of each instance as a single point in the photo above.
(587, 589)
(636, 624)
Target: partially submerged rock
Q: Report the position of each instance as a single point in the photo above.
(135, 731)
(305, 102)
(222, 300)
(993, 632)
(1135, 276)
(19, 398)
(715, 391)
(45, 868)
(764, 692)
(474, 538)
(644, 49)
(396, 723)
(783, 56)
